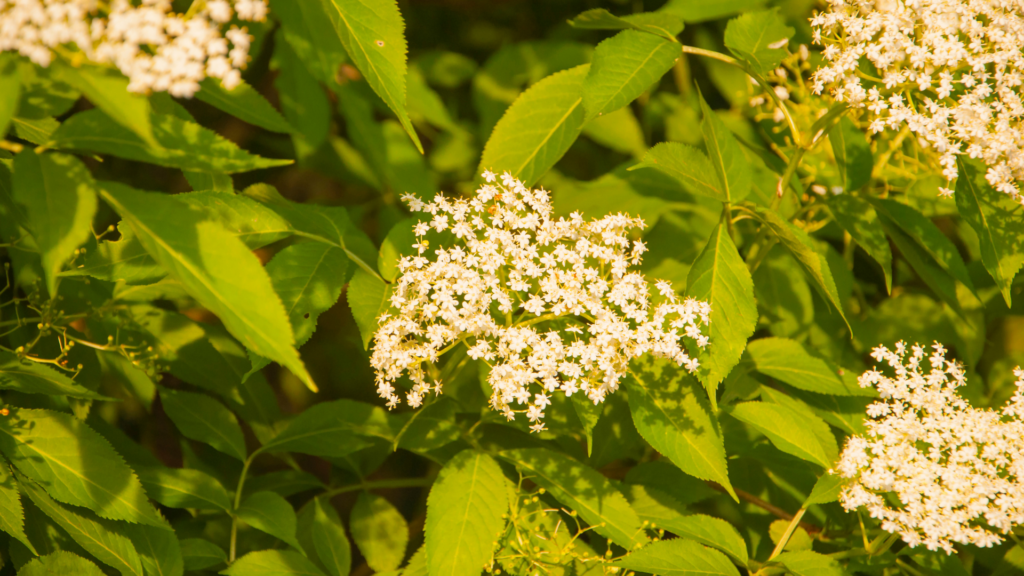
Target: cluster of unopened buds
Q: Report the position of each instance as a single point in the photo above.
(550, 304)
(956, 471)
(157, 49)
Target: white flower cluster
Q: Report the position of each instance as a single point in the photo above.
(543, 301)
(957, 471)
(948, 70)
(157, 49)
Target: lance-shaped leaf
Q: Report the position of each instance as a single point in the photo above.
(158, 549)
(74, 464)
(624, 66)
(373, 34)
(60, 197)
(725, 154)
(787, 360)
(184, 488)
(693, 11)
(859, 219)
(270, 513)
(59, 563)
(200, 553)
(107, 89)
(253, 223)
(331, 429)
(927, 236)
(539, 127)
(665, 25)
(203, 419)
(583, 489)
(12, 514)
(710, 531)
(721, 277)
(673, 414)
(678, 557)
(309, 31)
(323, 538)
(800, 434)
(853, 155)
(465, 514)
(988, 211)
(35, 378)
(380, 532)
(245, 103)
(689, 166)
(303, 100)
(826, 489)
(216, 269)
(759, 39)
(368, 297)
(273, 563)
(933, 275)
(809, 563)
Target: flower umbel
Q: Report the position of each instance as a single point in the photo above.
(549, 304)
(957, 471)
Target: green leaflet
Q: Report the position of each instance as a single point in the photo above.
(203, 419)
(303, 101)
(273, 563)
(826, 489)
(930, 271)
(60, 563)
(624, 66)
(678, 557)
(76, 465)
(710, 531)
(380, 532)
(284, 482)
(693, 11)
(373, 34)
(10, 79)
(34, 378)
(988, 211)
(538, 128)
(158, 549)
(181, 144)
(60, 197)
(356, 106)
(323, 538)
(253, 223)
(217, 270)
(308, 29)
(860, 220)
(725, 154)
(270, 513)
(107, 88)
(183, 488)
(124, 260)
(465, 514)
(12, 514)
(721, 277)
(853, 155)
(244, 103)
(368, 297)
(927, 236)
(689, 166)
(788, 361)
(808, 563)
(759, 39)
(200, 554)
(36, 131)
(664, 25)
(583, 489)
(619, 130)
(800, 434)
(675, 417)
(331, 429)
(666, 478)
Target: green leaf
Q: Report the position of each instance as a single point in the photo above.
(203, 419)
(380, 532)
(37, 131)
(802, 435)
(158, 550)
(270, 513)
(200, 554)
(107, 89)
(927, 236)
(373, 34)
(788, 361)
(664, 25)
(465, 514)
(98, 537)
(273, 563)
(184, 488)
(939, 280)
(217, 270)
(826, 489)
(123, 260)
(666, 478)
(308, 29)
(619, 130)
(10, 79)
(853, 155)
(689, 166)
(673, 414)
(34, 378)
(181, 144)
(245, 103)
(210, 181)
(582, 489)
(538, 128)
(624, 66)
(331, 429)
(303, 100)
(808, 563)
(12, 515)
(60, 196)
(285, 482)
(75, 464)
(721, 277)
(693, 11)
(725, 154)
(323, 538)
(710, 531)
(678, 557)
(368, 297)
(860, 220)
(988, 211)
(60, 563)
(759, 39)
(253, 223)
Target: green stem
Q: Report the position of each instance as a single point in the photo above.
(377, 484)
(793, 525)
(238, 503)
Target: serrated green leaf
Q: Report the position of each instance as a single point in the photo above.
(678, 557)
(380, 532)
(217, 270)
(927, 236)
(860, 220)
(665, 477)
(60, 563)
(60, 197)
(99, 537)
(538, 128)
(107, 89)
(940, 281)
(182, 144)
(673, 414)
(245, 103)
(664, 25)
(788, 361)
(124, 260)
(34, 378)
(12, 515)
(711, 531)
(721, 277)
(183, 488)
(988, 211)
(368, 297)
(465, 514)
(373, 34)
(331, 429)
(272, 563)
(853, 155)
(826, 489)
(10, 79)
(687, 165)
(323, 538)
(308, 29)
(76, 465)
(624, 66)
(800, 434)
(693, 11)
(725, 154)
(808, 563)
(759, 39)
(253, 223)
(200, 554)
(158, 550)
(203, 419)
(270, 513)
(582, 489)
(200, 181)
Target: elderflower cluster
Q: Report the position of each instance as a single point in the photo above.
(550, 304)
(157, 49)
(957, 471)
(950, 71)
